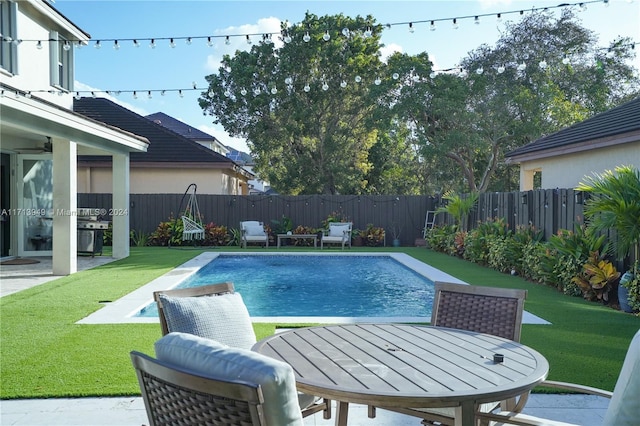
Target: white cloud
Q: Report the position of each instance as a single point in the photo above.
(389, 50)
(239, 42)
(486, 4)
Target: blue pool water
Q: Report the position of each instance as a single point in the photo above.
(319, 286)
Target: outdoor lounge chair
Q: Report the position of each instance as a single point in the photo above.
(196, 381)
(338, 233)
(490, 310)
(253, 232)
(623, 409)
(217, 312)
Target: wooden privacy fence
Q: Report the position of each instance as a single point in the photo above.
(548, 210)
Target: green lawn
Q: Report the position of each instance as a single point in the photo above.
(43, 353)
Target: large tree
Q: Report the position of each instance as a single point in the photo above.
(543, 74)
(304, 107)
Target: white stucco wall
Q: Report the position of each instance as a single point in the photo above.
(567, 171)
(97, 180)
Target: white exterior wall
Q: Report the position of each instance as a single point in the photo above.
(34, 63)
(567, 171)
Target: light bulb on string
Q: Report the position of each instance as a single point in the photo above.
(97, 45)
(248, 39)
(606, 3)
(209, 42)
(542, 64)
(135, 95)
(358, 79)
(135, 43)
(377, 81)
(325, 86)
(479, 71)
(346, 32)
(501, 69)
(286, 37)
(243, 91)
(411, 29)
(499, 17)
(565, 60)
(583, 7)
(463, 73)
(368, 32)
(476, 20)
(415, 78)
(39, 45)
(306, 88)
(163, 92)
(432, 26)
(343, 84)
(432, 74)
(288, 81)
(306, 38)
(326, 36)
(172, 43)
(454, 24)
(256, 91)
(227, 41)
(522, 66)
(189, 41)
(274, 90)
(149, 94)
(66, 45)
(77, 96)
(152, 43)
(116, 45)
(395, 76)
(180, 93)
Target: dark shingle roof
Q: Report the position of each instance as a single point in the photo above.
(616, 121)
(179, 127)
(164, 144)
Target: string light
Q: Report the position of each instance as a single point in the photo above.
(432, 27)
(454, 24)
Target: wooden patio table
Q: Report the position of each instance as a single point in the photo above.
(401, 365)
(298, 237)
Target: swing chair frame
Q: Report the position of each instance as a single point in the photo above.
(193, 229)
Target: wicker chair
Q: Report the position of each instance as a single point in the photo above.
(490, 310)
(176, 397)
(308, 403)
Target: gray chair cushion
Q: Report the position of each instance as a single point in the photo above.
(222, 318)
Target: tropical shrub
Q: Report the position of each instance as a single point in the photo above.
(215, 235)
(235, 237)
(373, 236)
(476, 242)
(597, 278)
(167, 233)
(459, 207)
(300, 230)
(441, 238)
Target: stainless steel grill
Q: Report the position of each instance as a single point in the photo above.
(90, 231)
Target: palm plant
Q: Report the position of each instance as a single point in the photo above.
(459, 207)
(615, 204)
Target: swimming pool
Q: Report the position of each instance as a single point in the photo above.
(318, 286)
(125, 309)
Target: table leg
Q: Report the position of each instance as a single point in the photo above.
(315, 242)
(342, 413)
(465, 414)
(278, 242)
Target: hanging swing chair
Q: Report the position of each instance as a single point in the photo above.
(191, 222)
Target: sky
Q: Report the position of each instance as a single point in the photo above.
(164, 67)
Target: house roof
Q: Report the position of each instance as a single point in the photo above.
(609, 126)
(179, 127)
(165, 146)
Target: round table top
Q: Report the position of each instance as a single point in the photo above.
(401, 365)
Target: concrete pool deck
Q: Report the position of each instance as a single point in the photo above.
(123, 310)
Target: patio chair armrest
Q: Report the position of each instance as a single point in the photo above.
(573, 387)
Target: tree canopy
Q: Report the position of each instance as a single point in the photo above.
(322, 113)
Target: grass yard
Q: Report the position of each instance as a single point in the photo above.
(43, 353)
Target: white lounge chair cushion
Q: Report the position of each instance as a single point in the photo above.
(254, 230)
(223, 318)
(624, 407)
(213, 359)
(338, 230)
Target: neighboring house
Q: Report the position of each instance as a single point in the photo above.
(256, 186)
(189, 132)
(600, 143)
(41, 136)
(171, 163)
